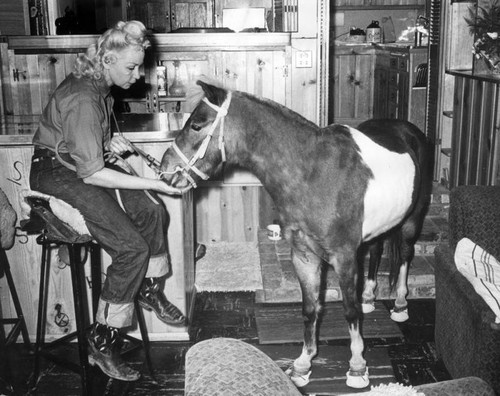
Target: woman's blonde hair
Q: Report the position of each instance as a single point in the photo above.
(121, 36)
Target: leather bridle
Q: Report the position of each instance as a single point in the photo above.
(189, 164)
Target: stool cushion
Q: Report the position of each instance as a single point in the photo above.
(226, 366)
(62, 222)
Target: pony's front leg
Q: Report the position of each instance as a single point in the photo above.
(400, 311)
(357, 376)
(308, 269)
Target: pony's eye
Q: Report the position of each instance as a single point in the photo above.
(196, 127)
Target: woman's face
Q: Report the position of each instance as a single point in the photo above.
(123, 67)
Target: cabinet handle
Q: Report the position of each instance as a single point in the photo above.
(352, 80)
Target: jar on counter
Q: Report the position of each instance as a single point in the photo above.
(373, 33)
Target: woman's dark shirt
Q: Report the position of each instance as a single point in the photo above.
(78, 114)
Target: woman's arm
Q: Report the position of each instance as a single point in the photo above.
(110, 178)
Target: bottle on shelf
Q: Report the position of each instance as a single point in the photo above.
(373, 33)
(177, 88)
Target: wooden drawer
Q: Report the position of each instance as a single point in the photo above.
(393, 78)
(393, 62)
(403, 64)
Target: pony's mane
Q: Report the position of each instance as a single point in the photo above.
(285, 111)
(195, 94)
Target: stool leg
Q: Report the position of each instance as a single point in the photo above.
(144, 336)
(42, 307)
(95, 274)
(79, 296)
(17, 304)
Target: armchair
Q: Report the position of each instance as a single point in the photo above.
(466, 336)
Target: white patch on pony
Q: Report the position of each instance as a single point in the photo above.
(389, 193)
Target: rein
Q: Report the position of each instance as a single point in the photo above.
(190, 163)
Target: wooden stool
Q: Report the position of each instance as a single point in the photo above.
(19, 324)
(42, 349)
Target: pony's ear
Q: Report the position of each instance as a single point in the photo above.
(214, 94)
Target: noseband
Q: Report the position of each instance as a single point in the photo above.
(189, 164)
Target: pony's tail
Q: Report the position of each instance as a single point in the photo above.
(393, 251)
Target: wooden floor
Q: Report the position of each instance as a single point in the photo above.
(409, 359)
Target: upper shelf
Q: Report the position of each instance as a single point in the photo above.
(161, 42)
(377, 7)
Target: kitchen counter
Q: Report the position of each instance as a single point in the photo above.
(381, 46)
(138, 128)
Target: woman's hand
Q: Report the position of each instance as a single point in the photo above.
(119, 145)
(164, 188)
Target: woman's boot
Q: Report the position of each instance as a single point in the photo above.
(104, 351)
(152, 298)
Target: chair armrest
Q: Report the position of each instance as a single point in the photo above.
(475, 214)
(447, 275)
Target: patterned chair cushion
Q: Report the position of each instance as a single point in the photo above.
(230, 367)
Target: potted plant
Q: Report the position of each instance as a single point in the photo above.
(484, 23)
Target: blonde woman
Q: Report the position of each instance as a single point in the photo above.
(71, 146)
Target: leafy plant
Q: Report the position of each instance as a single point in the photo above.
(485, 20)
(484, 24)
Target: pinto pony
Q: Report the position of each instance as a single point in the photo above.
(335, 188)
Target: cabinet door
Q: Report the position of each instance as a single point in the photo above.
(191, 13)
(33, 78)
(381, 102)
(353, 89)
(155, 14)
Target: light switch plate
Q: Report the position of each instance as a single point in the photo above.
(303, 59)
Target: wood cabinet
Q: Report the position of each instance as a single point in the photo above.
(352, 85)
(163, 16)
(29, 79)
(14, 17)
(401, 82)
(25, 255)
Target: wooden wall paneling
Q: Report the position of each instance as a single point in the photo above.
(458, 101)
(475, 132)
(207, 214)
(234, 73)
(3, 86)
(486, 139)
(280, 78)
(227, 213)
(36, 84)
(459, 38)
(25, 256)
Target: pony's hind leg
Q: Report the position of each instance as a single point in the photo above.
(408, 237)
(308, 269)
(370, 285)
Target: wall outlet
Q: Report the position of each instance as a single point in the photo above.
(303, 59)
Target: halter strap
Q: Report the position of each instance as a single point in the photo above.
(189, 163)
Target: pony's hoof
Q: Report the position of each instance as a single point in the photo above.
(299, 378)
(357, 379)
(400, 316)
(368, 307)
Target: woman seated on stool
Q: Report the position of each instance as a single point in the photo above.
(71, 144)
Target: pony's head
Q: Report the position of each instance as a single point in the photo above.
(198, 150)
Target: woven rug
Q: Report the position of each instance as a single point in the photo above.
(229, 267)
